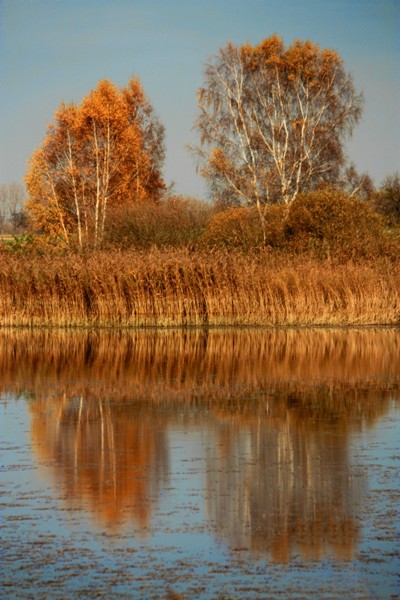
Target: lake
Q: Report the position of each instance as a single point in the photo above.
(228, 463)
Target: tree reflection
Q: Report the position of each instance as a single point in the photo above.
(112, 461)
(282, 483)
(277, 409)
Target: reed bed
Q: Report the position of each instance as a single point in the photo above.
(183, 288)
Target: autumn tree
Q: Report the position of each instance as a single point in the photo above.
(107, 151)
(273, 121)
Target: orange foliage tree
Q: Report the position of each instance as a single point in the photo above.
(106, 152)
(273, 121)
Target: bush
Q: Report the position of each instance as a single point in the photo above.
(387, 200)
(331, 223)
(234, 228)
(274, 226)
(176, 221)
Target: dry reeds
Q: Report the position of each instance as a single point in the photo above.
(183, 288)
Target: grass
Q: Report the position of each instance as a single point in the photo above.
(199, 288)
(6, 237)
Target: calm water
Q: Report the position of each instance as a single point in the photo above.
(222, 464)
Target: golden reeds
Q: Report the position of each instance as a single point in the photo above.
(183, 288)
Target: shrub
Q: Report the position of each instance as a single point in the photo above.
(274, 226)
(331, 223)
(241, 227)
(176, 221)
(387, 199)
(234, 228)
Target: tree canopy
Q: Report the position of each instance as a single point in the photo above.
(105, 152)
(273, 121)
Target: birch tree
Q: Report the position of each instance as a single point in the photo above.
(107, 151)
(273, 121)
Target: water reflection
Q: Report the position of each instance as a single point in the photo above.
(112, 460)
(284, 484)
(277, 409)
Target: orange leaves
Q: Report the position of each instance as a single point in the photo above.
(272, 46)
(297, 124)
(218, 160)
(303, 60)
(273, 120)
(104, 105)
(134, 96)
(108, 150)
(269, 52)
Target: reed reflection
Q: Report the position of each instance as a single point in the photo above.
(277, 409)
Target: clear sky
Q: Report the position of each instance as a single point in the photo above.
(54, 50)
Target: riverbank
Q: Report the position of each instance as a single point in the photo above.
(183, 288)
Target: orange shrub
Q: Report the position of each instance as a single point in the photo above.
(331, 223)
(234, 228)
(274, 226)
(176, 221)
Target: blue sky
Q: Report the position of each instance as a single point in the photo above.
(54, 50)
